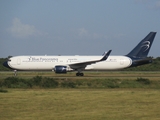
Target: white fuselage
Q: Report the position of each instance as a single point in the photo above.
(49, 62)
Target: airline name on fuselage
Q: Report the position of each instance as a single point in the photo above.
(42, 59)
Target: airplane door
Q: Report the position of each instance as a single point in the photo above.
(18, 61)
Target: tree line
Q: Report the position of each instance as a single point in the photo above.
(154, 66)
(2, 68)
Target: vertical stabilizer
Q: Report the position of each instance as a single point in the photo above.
(142, 49)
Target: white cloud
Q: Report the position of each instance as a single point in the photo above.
(18, 29)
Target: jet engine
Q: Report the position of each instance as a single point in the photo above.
(62, 69)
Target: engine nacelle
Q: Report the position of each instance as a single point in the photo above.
(62, 69)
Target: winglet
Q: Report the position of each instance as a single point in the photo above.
(106, 54)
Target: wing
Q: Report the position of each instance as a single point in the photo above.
(82, 65)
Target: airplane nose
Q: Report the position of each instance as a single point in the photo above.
(5, 64)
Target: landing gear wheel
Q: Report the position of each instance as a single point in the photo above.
(79, 74)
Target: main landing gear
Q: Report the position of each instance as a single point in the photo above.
(79, 74)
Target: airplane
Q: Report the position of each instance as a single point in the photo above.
(64, 64)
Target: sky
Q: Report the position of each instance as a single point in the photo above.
(77, 27)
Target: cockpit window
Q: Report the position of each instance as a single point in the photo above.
(9, 60)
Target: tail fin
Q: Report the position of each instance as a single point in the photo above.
(142, 49)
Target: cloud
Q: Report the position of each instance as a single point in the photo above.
(83, 32)
(157, 5)
(119, 35)
(20, 30)
(150, 4)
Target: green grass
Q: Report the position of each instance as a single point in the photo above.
(135, 96)
(80, 104)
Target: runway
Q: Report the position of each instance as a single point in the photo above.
(153, 75)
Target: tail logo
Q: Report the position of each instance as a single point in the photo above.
(145, 45)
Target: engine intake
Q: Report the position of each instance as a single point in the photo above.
(60, 69)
